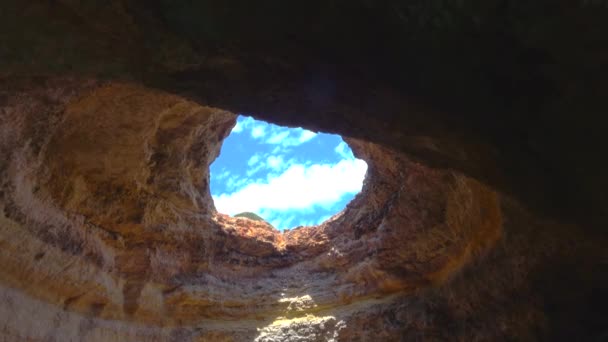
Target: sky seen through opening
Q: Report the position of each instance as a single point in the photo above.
(289, 176)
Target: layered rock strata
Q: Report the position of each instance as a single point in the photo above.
(108, 219)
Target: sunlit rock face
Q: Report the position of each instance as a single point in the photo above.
(464, 228)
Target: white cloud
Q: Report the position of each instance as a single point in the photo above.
(284, 190)
(274, 162)
(251, 171)
(235, 183)
(278, 149)
(278, 137)
(238, 128)
(286, 137)
(323, 219)
(242, 124)
(343, 150)
(279, 222)
(299, 187)
(224, 174)
(258, 131)
(254, 159)
(306, 135)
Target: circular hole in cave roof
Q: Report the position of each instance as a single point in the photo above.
(288, 177)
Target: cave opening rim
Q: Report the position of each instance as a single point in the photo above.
(342, 204)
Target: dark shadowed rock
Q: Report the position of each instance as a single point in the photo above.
(482, 216)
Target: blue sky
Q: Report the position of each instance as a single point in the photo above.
(289, 176)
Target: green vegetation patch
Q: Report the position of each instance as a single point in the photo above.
(251, 216)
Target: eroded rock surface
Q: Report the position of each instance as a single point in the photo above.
(465, 228)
